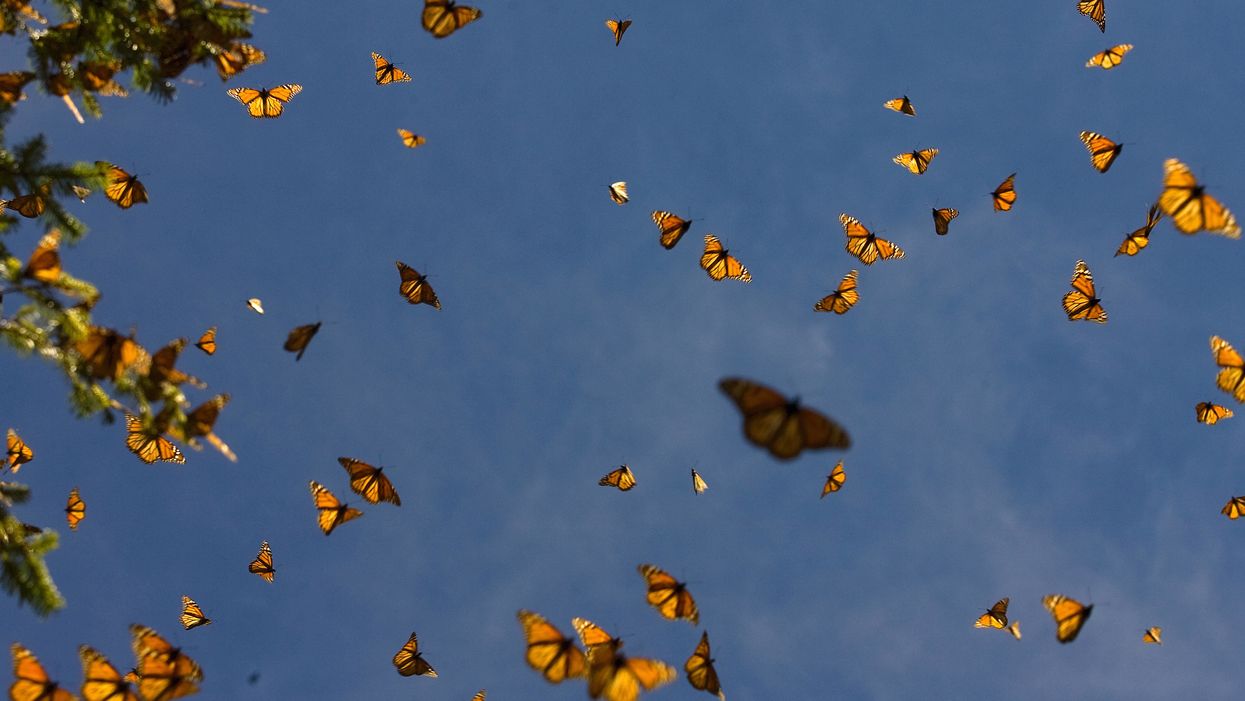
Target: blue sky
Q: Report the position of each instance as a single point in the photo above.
(999, 450)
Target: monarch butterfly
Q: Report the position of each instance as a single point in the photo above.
(995, 616)
(236, 58)
(100, 680)
(410, 139)
(616, 677)
(1097, 11)
(700, 672)
(479, 696)
(444, 17)
(916, 161)
(1102, 151)
(672, 228)
(1191, 209)
(410, 663)
(415, 288)
(834, 480)
(719, 264)
(97, 78)
(781, 425)
(32, 682)
(1153, 636)
(1140, 238)
(669, 596)
(621, 478)
(45, 263)
(902, 105)
(594, 637)
(107, 354)
(11, 85)
(255, 305)
(200, 423)
(1005, 194)
(1069, 615)
(1209, 413)
(262, 564)
(161, 370)
(207, 342)
(387, 73)
(192, 615)
(299, 337)
(369, 482)
(698, 483)
(549, 652)
(29, 206)
(842, 299)
(164, 672)
(942, 219)
(617, 27)
(1109, 58)
(16, 452)
(266, 104)
(1231, 378)
(80, 192)
(618, 193)
(1082, 302)
(1234, 508)
(150, 445)
(122, 188)
(331, 512)
(866, 246)
(75, 509)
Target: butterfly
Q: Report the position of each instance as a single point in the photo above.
(255, 305)
(32, 682)
(668, 595)
(1082, 302)
(262, 564)
(387, 73)
(80, 192)
(75, 509)
(150, 445)
(834, 480)
(410, 663)
(863, 244)
(207, 342)
(100, 680)
(479, 696)
(236, 58)
(200, 423)
(1069, 615)
(164, 672)
(900, 104)
(842, 299)
(332, 513)
(444, 17)
(549, 652)
(1231, 377)
(16, 452)
(698, 483)
(942, 219)
(700, 671)
(107, 354)
(266, 104)
(192, 615)
(618, 193)
(45, 263)
(1210, 414)
(621, 478)
(11, 85)
(1191, 209)
(369, 482)
(1153, 636)
(1097, 11)
(1102, 151)
(1005, 194)
(781, 425)
(617, 27)
(616, 677)
(594, 637)
(410, 139)
(415, 288)
(1109, 58)
(298, 339)
(97, 77)
(719, 264)
(1234, 508)
(672, 228)
(1014, 629)
(161, 370)
(29, 206)
(995, 616)
(916, 161)
(122, 188)
(1140, 238)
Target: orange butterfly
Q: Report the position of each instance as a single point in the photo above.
(1209, 413)
(616, 677)
(942, 220)
(1234, 508)
(32, 205)
(32, 682)
(161, 370)
(618, 193)
(75, 509)
(672, 228)
(97, 78)
(410, 663)
(100, 680)
(842, 299)
(1097, 11)
(1139, 239)
(1109, 58)
(150, 445)
(617, 27)
(207, 342)
(192, 615)
(410, 139)
(164, 672)
(549, 652)
(1191, 209)
(122, 188)
(866, 246)
(995, 616)
(332, 513)
(700, 671)
(262, 564)
(1153, 636)
(415, 288)
(916, 161)
(1102, 151)
(369, 482)
(1231, 378)
(16, 452)
(200, 424)
(668, 595)
(594, 637)
(1069, 615)
(444, 17)
(107, 354)
(719, 264)
(834, 480)
(900, 104)
(266, 104)
(45, 263)
(621, 478)
(299, 337)
(1005, 194)
(387, 73)
(236, 58)
(781, 425)
(11, 85)
(1082, 302)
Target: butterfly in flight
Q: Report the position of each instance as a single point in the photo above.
(916, 161)
(1234, 508)
(902, 105)
(410, 663)
(108, 354)
(1140, 238)
(1069, 615)
(995, 616)
(200, 423)
(700, 672)
(1097, 11)
(865, 245)
(1191, 209)
(669, 596)
(1210, 414)
(122, 189)
(718, 262)
(594, 637)
(942, 219)
(672, 227)
(75, 509)
(780, 425)
(45, 262)
(1005, 194)
(842, 299)
(266, 104)
(1231, 378)
(618, 193)
(410, 139)
(299, 337)
(444, 17)
(1153, 635)
(617, 26)
(415, 288)
(237, 58)
(549, 652)
(1102, 151)
(150, 445)
(100, 680)
(834, 480)
(161, 370)
(33, 683)
(207, 342)
(262, 564)
(16, 452)
(192, 615)
(369, 482)
(1109, 58)
(164, 672)
(622, 478)
(699, 485)
(255, 305)
(80, 192)
(1082, 302)
(331, 512)
(387, 73)
(617, 677)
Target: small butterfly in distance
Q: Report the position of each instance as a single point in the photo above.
(299, 337)
(410, 139)
(1096, 10)
(866, 245)
(995, 616)
(549, 652)
(415, 288)
(1234, 508)
(1005, 194)
(387, 73)
(1082, 302)
(369, 482)
(700, 672)
(1140, 238)
(16, 452)
(669, 596)
(719, 264)
(1153, 636)
(444, 17)
(207, 342)
(842, 299)
(255, 305)
(331, 513)
(618, 193)
(622, 478)
(262, 564)
(942, 219)
(1210, 414)
(75, 509)
(698, 483)
(410, 662)
(617, 27)
(671, 227)
(1069, 615)
(834, 480)
(1109, 58)
(1102, 151)
(902, 105)
(781, 425)
(192, 615)
(266, 104)
(916, 161)
(1191, 209)
(122, 189)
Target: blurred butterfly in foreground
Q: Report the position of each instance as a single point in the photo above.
(719, 264)
(331, 512)
(614, 676)
(1234, 508)
(1102, 151)
(192, 615)
(900, 104)
(207, 342)
(698, 483)
(479, 695)
(410, 663)
(1153, 636)
(1005, 194)
(100, 680)
(108, 354)
(444, 17)
(201, 422)
(262, 564)
(672, 228)
(1069, 615)
(150, 445)
(32, 205)
(669, 596)
(942, 219)
(700, 671)
(11, 85)
(1210, 414)
(75, 509)
(298, 339)
(1140, 238)
(369, 482)
(618, 193)
(621, 478)
(834, 480)
(995, 616)
(161, 370)
(617, 26)
(122, 188)
(1231, 378)
(1109, 58)
(1097, 11)
(266, 104)
(45, 262)
(415, 288)
(164, 671)
(594, 637)
(549, 652)
(255, 305)
(866, 246)
(781, 425)
(916, 161)
(1191, 209)
(33, 683)
(16, 452)
(410, 139)
(842, 299)
(387, 73)
(237, 58)
(1082, 302)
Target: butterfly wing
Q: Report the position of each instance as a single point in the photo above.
(192, 615)
(443, 17)
(1154, 636)
(17, 453)
(415, 288)
(617, 27)
(410, 663)
(668, 595)
(1190, 208)
(410, 139)
(1231, 378)
(618, 193)
(549, 652)
(45, 262)
(148, 445)
(207, 342)
(902, 105)
(1005, 194)
(1082, 302)
(842, 299)
(698, 483)
(369, 482)
(699, 668)
(1102, 151)
(331, 513)
(671, 227)
(942, 220)
(262, 564)
(995, 616)
(1097, 11)
(100, 680)
(1234, 508)
(1069, 615)
(75, 509)
(299, 337)
(622, 478)
(834, 480)
(122, 188)
(32, 682)
(1210, 414)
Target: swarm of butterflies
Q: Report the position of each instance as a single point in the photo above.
(772, 421)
